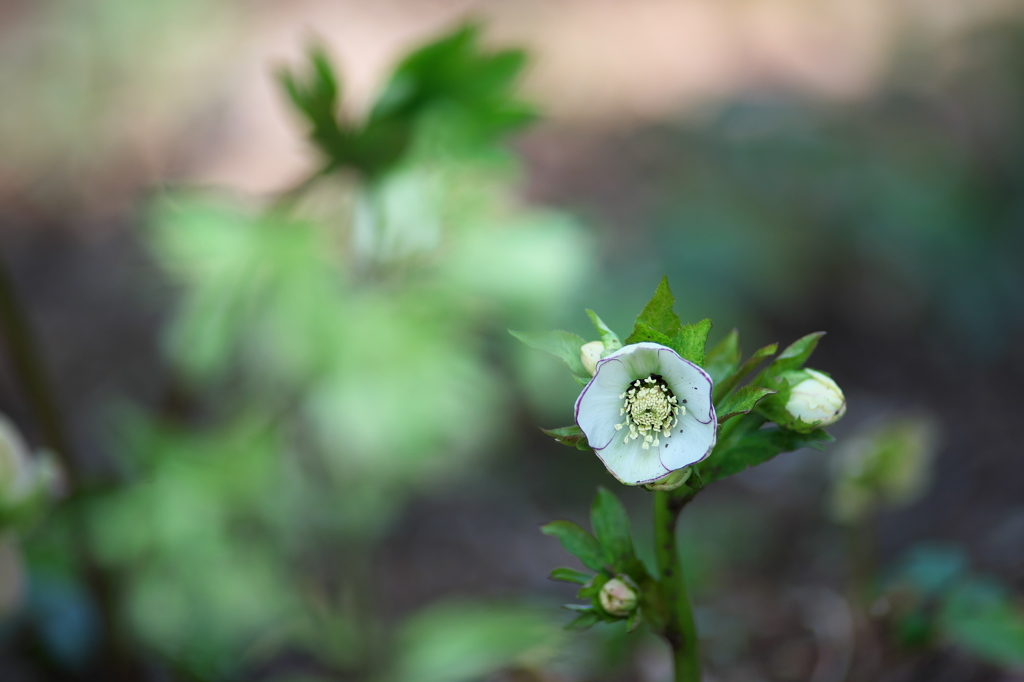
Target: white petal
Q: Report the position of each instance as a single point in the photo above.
(630, 463)
(597, 408)
(641, 359)
(689, 382)
(691, 441)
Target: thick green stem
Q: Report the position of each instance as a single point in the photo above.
(679, 629)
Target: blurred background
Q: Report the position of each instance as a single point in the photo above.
(266, 421)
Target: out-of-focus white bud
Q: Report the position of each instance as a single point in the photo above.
(590, 353)
(619, 596)
(815, 399)
(27, 484)
(672, 481)
(15, 467)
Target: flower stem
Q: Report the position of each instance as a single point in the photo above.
(679, 628)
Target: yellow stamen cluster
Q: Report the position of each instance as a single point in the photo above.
(650, 409)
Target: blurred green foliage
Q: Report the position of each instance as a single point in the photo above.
(936, 598)
(330, 358)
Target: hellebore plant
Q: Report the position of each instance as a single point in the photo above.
(661, 412)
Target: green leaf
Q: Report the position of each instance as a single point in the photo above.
(593, 588)
(464, 641)
(980, 616)
(577, 542)
(691, 340)
(572, 436)
(584, 621)
(741, 402)
(569, 575)
(563, 345)
(609, 338)
(658, 313)
(724, 358)
(728, 383)
(757, 447)
(634, 621)
(643, 332)
(795, 355)
(611, 526)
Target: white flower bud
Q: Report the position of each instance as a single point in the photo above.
(590, 353)
(816, 399)
(619, 596)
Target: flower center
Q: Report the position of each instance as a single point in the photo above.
(650, 409)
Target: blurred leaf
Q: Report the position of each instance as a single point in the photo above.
(611, 526)
(724, 358)
(584, 621)
(981, 617)
(563, 345)
(569, 575)
(741, 402)
(577, 542)
(572, 436)
(691, 340)
(884, 464)
(469, 641)
(932, 569)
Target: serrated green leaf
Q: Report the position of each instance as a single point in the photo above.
(724, 358)
(658, 313)
(572, 436)
(609, 338)
(691, 341)
(611, 526)
(741, 402)
(757, 447)
(569, 575)
(584, 621)
(723, 388)
(644, 333)
(577, 542)
(563, 345)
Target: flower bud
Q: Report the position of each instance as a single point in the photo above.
(619, 596)
(814, 398)
(590, 353)
(26, 483)
(672, 481)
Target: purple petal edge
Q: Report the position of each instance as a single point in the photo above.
(576, 408)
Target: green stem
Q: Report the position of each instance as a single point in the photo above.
(679, 628)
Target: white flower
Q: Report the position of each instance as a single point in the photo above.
(647, 412)
(817, 400)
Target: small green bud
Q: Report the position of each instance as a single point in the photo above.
(590, 353)
(671, 481)
(814, 398)
(619, 596)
